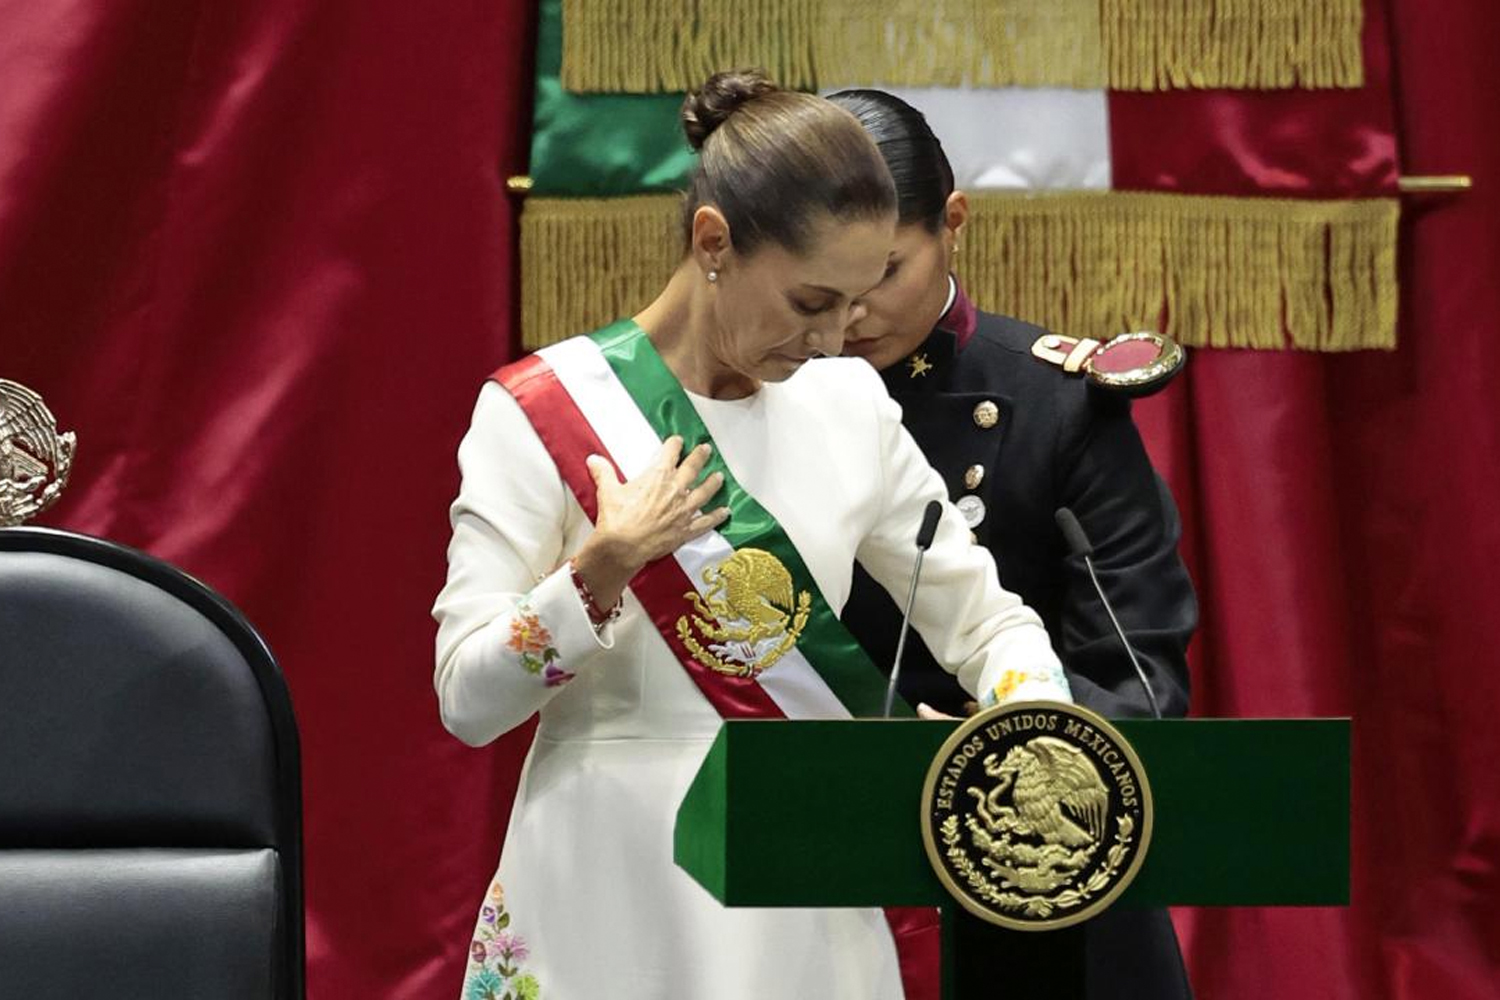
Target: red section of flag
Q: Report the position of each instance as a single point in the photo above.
(1291, 143)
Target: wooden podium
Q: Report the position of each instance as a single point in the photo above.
(1248, 812)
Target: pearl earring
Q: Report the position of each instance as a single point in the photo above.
(713, 276)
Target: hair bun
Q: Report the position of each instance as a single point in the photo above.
(707, 108)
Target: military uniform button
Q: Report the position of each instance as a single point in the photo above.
(972, 509)
(973, 476)
(987, 414)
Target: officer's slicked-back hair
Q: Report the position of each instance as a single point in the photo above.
(918, 165)
(777, 162)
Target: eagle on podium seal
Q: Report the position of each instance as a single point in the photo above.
(1036, 815)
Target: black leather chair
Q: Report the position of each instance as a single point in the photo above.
(150, 790)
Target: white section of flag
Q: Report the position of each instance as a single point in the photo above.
(1018, 137)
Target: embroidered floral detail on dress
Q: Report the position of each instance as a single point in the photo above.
(496, 955)
(1011, 681)
(530, 638)
(1007, 685)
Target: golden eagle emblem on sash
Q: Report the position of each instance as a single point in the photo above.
(748, 616)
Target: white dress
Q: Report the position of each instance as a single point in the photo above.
(587, 903)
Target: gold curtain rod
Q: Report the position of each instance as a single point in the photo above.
(1417, 184)
(1406, 184)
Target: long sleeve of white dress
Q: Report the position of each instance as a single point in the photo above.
(512, 629)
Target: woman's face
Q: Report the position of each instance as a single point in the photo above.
(775, 309)
(901, 311)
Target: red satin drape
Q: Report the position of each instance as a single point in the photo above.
(1340, 526)
(259, 257)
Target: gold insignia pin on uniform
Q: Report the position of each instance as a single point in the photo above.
(987, 414)
(973, 476)
(1036, 815)
(919, 365)
(34, 458)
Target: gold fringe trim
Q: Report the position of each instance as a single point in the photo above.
(958, 43)
(588, 261)
(1234, 44)
(1262, 273)
(671, 46)
(656, 46)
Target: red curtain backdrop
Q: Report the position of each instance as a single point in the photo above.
(259, 257)
(1338, 529)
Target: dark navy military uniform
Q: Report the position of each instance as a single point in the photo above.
(1020, 438)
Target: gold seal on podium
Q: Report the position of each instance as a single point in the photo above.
(34, 458)
(1036, 815)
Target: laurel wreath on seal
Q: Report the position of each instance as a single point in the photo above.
(1037, 906)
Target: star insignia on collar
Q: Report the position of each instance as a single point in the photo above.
(919, 365)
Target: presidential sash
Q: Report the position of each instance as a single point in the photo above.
(737, 606)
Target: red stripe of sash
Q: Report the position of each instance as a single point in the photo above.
(662, 584)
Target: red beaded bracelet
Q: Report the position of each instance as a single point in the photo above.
(597, 615)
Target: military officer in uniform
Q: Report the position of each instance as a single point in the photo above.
(1015, 438)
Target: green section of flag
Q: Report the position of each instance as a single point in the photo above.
(600, 145)
(833, 652)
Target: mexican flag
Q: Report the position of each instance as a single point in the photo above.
(1224, 173)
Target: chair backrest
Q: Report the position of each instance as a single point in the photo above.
(150, 789)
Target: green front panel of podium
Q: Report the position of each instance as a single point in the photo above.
(1249, 812)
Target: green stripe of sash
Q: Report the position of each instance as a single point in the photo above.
(833, 652)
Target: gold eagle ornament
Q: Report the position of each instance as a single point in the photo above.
(748, 615)
(35, 459)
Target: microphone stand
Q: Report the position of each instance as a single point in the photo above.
(924, 541)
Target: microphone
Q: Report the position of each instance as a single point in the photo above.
(928, 530)
(1078, 544)
(924, 541)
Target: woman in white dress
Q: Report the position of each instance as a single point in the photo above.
(656, 529)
